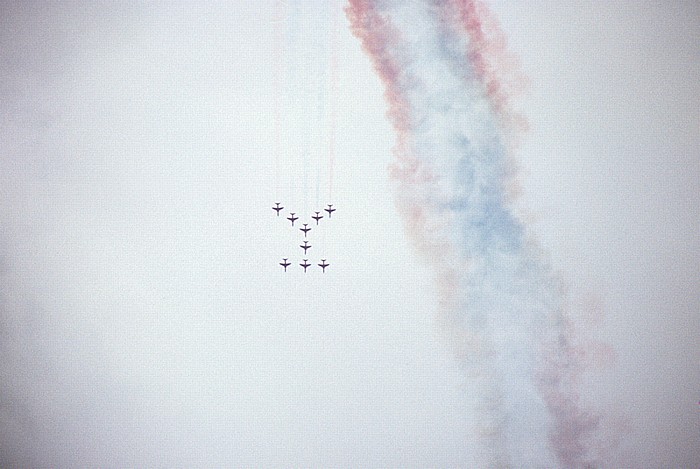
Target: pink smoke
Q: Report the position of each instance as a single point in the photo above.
(495, 67)
(499, 72)
(378, 37)
(558, 379)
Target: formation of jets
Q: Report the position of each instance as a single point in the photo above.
(305, 229)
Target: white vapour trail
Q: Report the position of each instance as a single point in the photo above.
(305, 114)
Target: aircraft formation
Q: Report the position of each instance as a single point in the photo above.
(305, 228)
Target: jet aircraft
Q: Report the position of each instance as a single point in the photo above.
(323, 265)
(317, 217)
(330, 210)
(292, 218)
(306, 229)
(305, 265)
(285, 264)
(305, 246)
(277, 208)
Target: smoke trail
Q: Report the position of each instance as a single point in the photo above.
(333, 124)
(326, 89)
(305, 119)
(279, 55)
(494, 66)
(500, 307)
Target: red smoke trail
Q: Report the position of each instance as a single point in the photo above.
(378, 38)
(558, 378)
(495, 67)
(564, 357)
(498, 70)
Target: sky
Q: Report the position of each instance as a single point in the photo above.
(145, 321)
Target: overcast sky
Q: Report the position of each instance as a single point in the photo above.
(145, 320)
